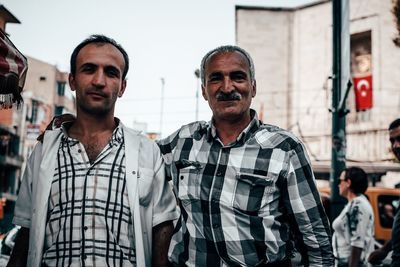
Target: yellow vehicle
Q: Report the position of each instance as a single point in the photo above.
(384, 202)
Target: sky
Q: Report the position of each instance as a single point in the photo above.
(165, 40)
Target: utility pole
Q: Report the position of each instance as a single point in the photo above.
(162, 105)
(340, 82)
(197, 74)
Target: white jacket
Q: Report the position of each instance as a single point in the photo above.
(150, 197)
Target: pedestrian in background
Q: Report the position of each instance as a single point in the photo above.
(353, 237)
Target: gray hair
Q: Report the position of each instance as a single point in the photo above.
(226, 49)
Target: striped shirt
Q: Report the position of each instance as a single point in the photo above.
(89, 221)
(242, 203)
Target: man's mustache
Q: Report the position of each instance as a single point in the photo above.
(96, 91)
(231, 96)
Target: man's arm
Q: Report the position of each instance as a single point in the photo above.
(162, 234)
(355, 256)
(19, 254)
(307, 217)
(379, 254)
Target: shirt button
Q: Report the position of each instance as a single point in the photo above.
(182, 177)
(85, 228)
(219, 173)
(79, 150)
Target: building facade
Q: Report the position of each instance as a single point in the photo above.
(292, 51)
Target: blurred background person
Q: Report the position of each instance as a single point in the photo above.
(353, 239)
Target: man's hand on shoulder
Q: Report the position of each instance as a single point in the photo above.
(56, 123)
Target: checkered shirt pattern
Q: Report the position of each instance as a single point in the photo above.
(242, 203)
(89, 221)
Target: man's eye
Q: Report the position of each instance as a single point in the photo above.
(213, 79)
(239, 77)
(88, 69)
(112, 72)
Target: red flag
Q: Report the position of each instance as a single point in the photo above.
(363, 92)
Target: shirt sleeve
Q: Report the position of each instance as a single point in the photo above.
(23, 206)
(167, 146)
(164, 202)
(309, 222)
(358, 224)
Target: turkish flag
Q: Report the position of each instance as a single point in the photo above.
(363, 92)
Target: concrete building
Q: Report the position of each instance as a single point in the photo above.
(46, 94)
(292, 50)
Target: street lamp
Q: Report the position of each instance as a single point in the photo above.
(162, 104)
(197, 74)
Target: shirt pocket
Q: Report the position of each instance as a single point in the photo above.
(250, 190)
(145, 181)
(189, 185)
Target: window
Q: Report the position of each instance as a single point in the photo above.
(61, 88)
(58, 110)
(34, 114)
(361, 72)
(387, 206)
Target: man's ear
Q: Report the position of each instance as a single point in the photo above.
(254, 89)
(203, 92)
(123, 87)
(71, 81)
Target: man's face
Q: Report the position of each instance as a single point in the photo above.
(228, 87)
(394, 137)
(98, 78)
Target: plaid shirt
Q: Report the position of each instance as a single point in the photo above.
(242, 203)
(89, 220)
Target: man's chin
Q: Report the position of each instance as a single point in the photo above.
(230, 114)
(95, 110)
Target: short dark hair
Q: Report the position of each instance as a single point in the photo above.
(394, 124)
(358, 178)
(99, 39)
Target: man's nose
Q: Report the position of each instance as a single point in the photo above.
(227, 85)
(99, 79)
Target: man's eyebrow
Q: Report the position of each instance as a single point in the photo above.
(239, 72)
(87, 64)
(215, 73)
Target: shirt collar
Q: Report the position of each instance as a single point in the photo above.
(251, 128)
(117, 136)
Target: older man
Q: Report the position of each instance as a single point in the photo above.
(246, 190)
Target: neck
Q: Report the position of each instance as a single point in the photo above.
(229, 131)
(87, 125)
(350, 196)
